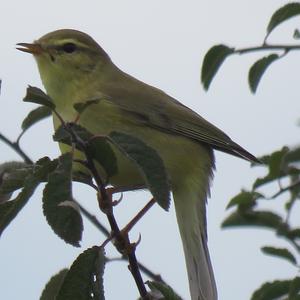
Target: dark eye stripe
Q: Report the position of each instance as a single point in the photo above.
(68, 47)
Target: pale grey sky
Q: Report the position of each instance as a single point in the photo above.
(163, 44)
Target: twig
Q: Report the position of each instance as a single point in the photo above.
(265, 47)
(16, 147)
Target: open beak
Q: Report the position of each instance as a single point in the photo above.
(34, 49)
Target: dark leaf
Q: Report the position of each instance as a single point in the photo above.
(165, 291)
(276, 164)
(253, 218)
(97, 147)
(272, 290)
(10, 209)
(245, 200)
(59, 208)
(12, 177)
(282, 14)
(258, 69)
(280, 252)
(294, 288)
(84, 281)
(35, 116)
(53, 286)
(149, 163)
(80, 107)
(36, 95)
(212, 62)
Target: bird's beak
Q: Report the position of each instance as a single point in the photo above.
(35, 49)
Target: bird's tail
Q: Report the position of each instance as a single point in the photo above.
(191, 219)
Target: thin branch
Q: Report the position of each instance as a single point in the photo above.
(16, 147)
(266, 47)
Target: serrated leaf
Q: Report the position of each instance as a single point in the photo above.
(149, 163)
(294, 288)
(272, 290)
(165, 290)
(97, 147)
(84, 281)
(12, 177)
(36, 95)
(60, 210)
(244, 200)
(10, 209)
(258, 69)
(212, 62)
(53, 286)
(282, 14)
(253, 218)
(80, 107)
(275, 162)
(280, 252)
(35, 116)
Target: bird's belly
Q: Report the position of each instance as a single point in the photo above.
(183, 158)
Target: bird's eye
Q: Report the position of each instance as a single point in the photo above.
(69, 47)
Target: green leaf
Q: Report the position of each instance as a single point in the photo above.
(165, 291)
(276, 163)
(272, 290)
(36, 95)
(84, 281)
(253, 218)
(258, 69)
(35, 116)
(294, 288)
(280, 252)
(53, 286)
(245, 200)
(10, 209)
(282, 14)
(97, 147)
(212, 62)
(12, 177)
(149, 163)
(80, 107)
(60, 210)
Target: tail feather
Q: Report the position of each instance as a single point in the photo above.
(190, 202)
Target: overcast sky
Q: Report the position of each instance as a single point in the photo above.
(163, 44)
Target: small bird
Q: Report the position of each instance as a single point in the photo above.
(74, 68)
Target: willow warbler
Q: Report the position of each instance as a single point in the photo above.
(74, 68)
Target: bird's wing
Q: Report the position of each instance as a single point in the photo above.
(156, 109)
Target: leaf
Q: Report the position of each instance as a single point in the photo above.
(53, 286)
(60, 210)
(166, 292)
(12, 177)
(84, 281)
(10, 209)
(149, 163)
(35, 116)
(253, 218)
(212, 62)
(294, 288)
(36, 95)
(282, 14)
(258, 69)
(272, 290)
(275, 162)
(244, 200)
(80, 107)
(97, 147)
(280, 252)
